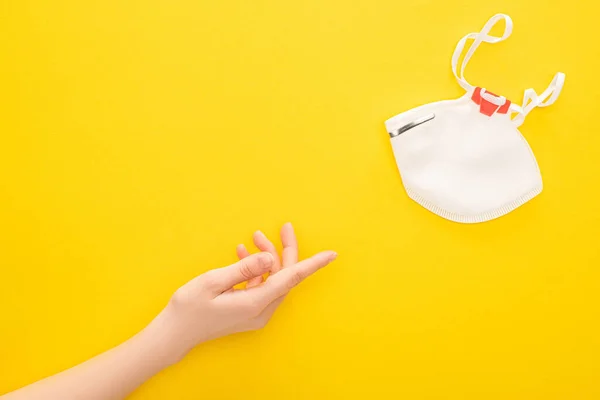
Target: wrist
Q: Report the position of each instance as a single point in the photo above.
(165, 339)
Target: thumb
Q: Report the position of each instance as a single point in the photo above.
(243, 270)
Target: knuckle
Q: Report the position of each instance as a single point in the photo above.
(245, 269)
(208, 279)
(295, 279)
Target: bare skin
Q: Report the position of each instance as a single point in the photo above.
(205, 308)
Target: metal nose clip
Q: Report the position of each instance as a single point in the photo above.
(411, 125)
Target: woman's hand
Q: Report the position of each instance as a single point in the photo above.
(204, 308)
(209, 306)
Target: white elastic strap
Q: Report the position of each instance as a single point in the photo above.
(531, 99)
(497, 100)
(478, 38)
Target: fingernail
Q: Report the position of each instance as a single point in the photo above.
(265, 259)
(332, 256)
(259, 233)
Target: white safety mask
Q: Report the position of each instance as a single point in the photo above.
(464, 159)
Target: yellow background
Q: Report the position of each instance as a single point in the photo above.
(142, 140)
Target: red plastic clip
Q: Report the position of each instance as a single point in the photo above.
(487, 107)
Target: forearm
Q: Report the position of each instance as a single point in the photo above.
(207, 307)
(111, 375)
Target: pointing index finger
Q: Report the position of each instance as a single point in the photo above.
(280, 284)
